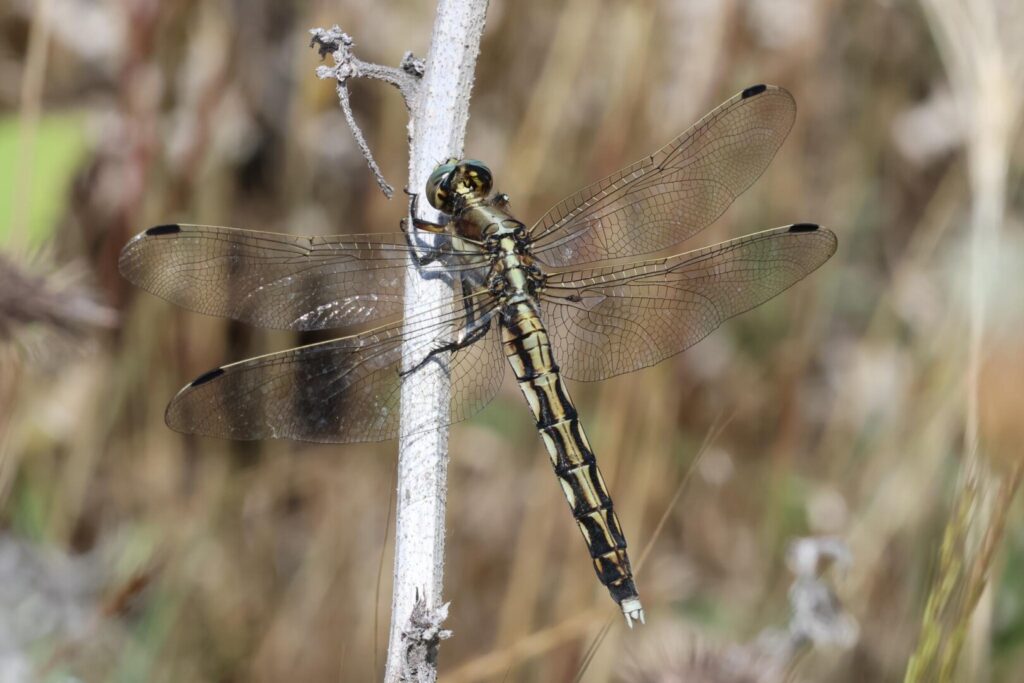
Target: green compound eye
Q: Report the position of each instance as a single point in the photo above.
(439, 191)
(458, 180)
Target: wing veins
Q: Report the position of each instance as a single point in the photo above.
(668, 304)
(622, 215)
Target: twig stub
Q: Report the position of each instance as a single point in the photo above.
(406, 77)
(421, 640)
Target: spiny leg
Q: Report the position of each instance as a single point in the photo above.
(474, 331)
(420, 223)
(424, 254)
(468, 337)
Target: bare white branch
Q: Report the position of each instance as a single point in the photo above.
(436, 132)
(437, 95)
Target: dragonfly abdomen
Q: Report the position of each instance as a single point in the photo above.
(528, 349)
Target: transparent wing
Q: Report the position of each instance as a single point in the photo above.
(607, 321)
(671, 195)
(281, 281)
(340, 391)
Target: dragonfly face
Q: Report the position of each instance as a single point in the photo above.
(592, 314)
(455, 184)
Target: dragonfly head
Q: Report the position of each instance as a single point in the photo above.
(455, 182)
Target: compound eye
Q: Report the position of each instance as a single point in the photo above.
(439, 191)
(477, 173)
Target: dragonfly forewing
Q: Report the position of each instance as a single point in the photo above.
(674, 193)
(282, 281)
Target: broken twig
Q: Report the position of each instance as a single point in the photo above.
(406, 77)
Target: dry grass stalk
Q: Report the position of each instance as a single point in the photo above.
(985, 63)
(497, 662)
(31, 98)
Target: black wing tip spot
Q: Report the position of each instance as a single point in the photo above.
(804, 227)
(207, 377)
(168, 229)
(753, 90)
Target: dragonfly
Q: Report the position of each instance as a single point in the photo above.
(580, 295)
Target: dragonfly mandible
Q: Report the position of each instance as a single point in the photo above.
(558, 299)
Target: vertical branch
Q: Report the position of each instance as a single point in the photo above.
(436, 132)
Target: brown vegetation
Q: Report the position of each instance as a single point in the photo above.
(839, 408)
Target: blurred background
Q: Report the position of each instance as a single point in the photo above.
(879, 402)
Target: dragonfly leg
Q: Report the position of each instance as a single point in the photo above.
(424, 253)
(470, 336)
(475, 329)
(419, 223)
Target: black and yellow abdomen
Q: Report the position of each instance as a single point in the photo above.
(529, 352)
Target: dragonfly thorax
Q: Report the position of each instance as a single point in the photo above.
(462, 189)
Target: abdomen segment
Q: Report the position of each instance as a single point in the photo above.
(529, 352)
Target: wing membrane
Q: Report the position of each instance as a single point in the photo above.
(607, 321)
(340, 391)
(671, 195)
(280, 281)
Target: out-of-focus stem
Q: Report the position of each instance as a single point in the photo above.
(986, 75)
(32, 79)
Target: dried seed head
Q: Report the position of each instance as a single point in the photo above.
(670, 651)
(1001, 395)
(27, 300)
